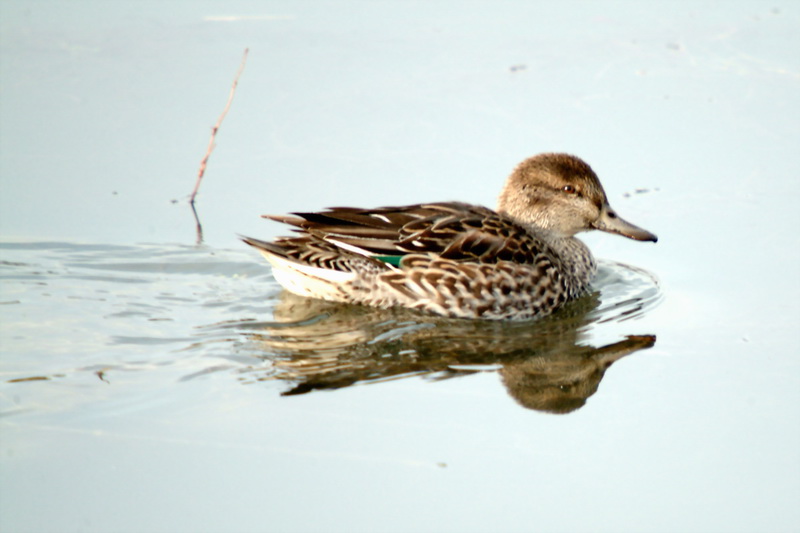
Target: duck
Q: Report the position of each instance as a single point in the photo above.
(453, 259)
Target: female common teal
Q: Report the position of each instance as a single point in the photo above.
(455, 259)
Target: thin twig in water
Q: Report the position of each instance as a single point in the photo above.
(211, 145)
(214, 130)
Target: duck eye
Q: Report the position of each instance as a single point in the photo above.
(569, 189)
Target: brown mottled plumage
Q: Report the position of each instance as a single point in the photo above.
(456, 259)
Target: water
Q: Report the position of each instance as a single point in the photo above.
(114, 301)
(150, 383)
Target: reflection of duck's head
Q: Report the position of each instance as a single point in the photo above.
(563, 382)
(560, 193)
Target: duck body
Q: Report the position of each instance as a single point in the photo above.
(455, 259)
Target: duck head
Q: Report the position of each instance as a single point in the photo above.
(562, 194)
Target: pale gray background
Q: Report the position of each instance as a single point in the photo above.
(105, 114)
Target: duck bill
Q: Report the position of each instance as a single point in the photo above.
(610, 222)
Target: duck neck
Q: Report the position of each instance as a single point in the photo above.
(577, 261)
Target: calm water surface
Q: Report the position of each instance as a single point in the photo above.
(153, 384)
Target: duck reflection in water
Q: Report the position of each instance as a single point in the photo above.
(319, 345)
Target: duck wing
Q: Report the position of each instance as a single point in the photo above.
(449, 230)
